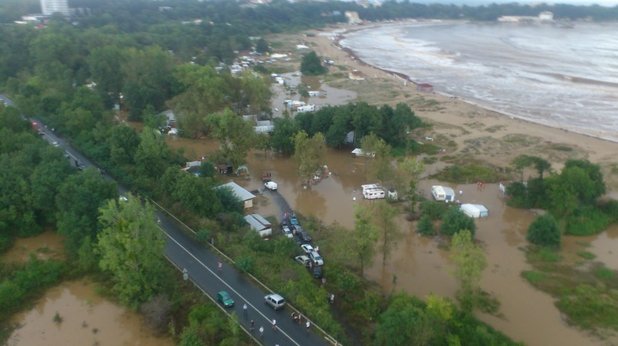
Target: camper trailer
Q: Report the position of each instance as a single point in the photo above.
(474, 210)
(373, 191)
(443, 193)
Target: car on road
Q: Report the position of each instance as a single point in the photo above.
(275, 301)
(303, 259)
(307, 248)
(287, 231)
(302, 236)
(224, 298)
(271, 185)
(55, 143)
(316, 258)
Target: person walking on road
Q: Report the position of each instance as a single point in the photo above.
(307, 325)
(252, 326)
(220, 266)
(274, 324)
(244, 310)
(261, 331)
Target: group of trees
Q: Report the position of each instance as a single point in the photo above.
(311, 65)
(571, 195)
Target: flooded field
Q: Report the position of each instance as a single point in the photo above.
(418, 265)
(47, 245)
(83, 318)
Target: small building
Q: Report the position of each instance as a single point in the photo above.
(259, 224)
(307, 108)
(241, 193)
(170, 117)
(443, 193)
(264, 126)
(314, 93)
(424, 87)
(474, 210)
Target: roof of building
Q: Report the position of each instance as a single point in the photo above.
(257, 222)
(239, 191)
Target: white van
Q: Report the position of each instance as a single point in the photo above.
(443, 193)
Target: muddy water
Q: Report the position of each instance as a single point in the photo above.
(418, 265)
(87, 319)
(47, 245)
(604, 246)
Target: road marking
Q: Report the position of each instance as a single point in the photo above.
(226, 284)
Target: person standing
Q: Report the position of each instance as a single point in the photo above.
(261, 331)
(244, 310)
(252, 326)
(220, 266)
(307, 325)
(274, 324)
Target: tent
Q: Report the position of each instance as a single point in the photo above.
(474, 210)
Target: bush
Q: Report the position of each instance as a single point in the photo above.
(425, 226)
(454, 220)
(434, 210)
(544, 231)
(311, 65)
(586, 221)
(469, 173)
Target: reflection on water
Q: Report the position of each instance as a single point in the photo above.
(87, 319)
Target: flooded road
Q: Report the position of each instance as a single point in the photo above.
(87, 319)
(418, 265)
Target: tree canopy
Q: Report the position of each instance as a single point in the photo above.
(311, 65)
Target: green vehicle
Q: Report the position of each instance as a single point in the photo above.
(224, 298)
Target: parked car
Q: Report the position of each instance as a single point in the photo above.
(303, 259)
(271, 185)
(317, 271)
(224, 298)
(294, 220)
(286, 231)
(303, 237)
(307, 248)
(316, 258)
(275, 301)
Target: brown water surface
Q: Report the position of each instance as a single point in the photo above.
(87, 319)
(418, 265)
(47, 245)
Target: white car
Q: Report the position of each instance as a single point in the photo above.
(302, 259)
(275, 301)
(307, 248)
(271, 185)
(316, 258)
(287, 232)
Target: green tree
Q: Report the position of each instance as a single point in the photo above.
(544, 231)
(470, 262)
(404, 323)
(380, 166)
(78, 202)
(283, 135)
(131, 249)
(364, 238)
(309, 154)
(311, 65)
(104, 63)
(152, 155)
(454, 221)
(425, 226)
(235, 135)
(261, 46)
(255, 93)
(123, 143)
(383, 217)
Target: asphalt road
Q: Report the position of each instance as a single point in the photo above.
(202, 266)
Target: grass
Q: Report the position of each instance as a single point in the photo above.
(587, 296)
(534, 277)
(586, 255)
(466, 173)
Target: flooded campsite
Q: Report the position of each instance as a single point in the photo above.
(421, 265)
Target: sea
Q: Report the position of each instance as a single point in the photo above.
(560, 76)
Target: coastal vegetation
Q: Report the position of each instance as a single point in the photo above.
(311, 65)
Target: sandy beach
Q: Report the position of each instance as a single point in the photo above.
(479, 132)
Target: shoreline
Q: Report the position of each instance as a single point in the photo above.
(339, 36)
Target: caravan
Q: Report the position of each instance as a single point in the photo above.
(474, 210)
(373, 191)
(443, 193)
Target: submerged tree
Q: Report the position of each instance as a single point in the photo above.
(469, 262)
(383, 217)
(365, 237)
(235, 136)
(309, 154)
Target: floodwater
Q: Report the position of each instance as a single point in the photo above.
(87, 319)
(328, 95)
(418, 265)
(47, 245)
